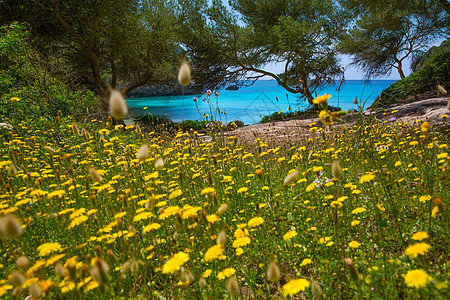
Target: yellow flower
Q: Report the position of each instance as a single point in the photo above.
(311, 187)
(77, 221)
(206, 273)
(242, 190)
(424, 198)
(208, 190)
(354, 244)
(152, 226)
(212, 218)
(289, 235)
(421, 235)
(322, 99)
(241, 242)
(48, 248)
(425, 127)
(256, 221)
(417, 278)
(175, 262)
(170, 211)
(326, 118)
(417, 249)
(305, 262)
(226, 273)
(295, 286)
(355, 222)
(366, 178)
(213, 253)
(358, 210)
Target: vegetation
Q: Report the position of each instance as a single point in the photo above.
(229, 45)
(110, 211)
(434, 70)
(384, 37)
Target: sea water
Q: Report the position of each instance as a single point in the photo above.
(250, 104)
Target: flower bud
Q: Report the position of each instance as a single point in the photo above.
(202, 283)
(316, 289)
(184, 74)
(290, 178)
(222, 209)
(221, 238)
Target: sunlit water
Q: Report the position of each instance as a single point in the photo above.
(250, 104)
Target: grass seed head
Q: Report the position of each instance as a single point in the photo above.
(202, 283)
(117, 105)
(94, 175)
(184, 74)
(35, 291)
(316, 289)
(16, 278)
(232, 286)
(442, 90)
(222, 209)
(22, 261)
(273, 272)
(74, 128)
(10, 227)
(142, 154)
(290, 178)
(12, 171)
(336, 170)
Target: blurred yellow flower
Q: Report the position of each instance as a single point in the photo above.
(295, 286)
(175, 262)
(417, 278)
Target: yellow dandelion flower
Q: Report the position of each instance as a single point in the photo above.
(421, 235)
(208, 190)
(326, 118)
(417, 278)
(289, 235)
(417, 249)
(226, 273)
(295, 286)
(206, 273)
(425, 127)
(366, 178)
(175, 262)
(142, 216)
(354, 244)
(425, 198)
(311, 187)
(241, 242)
(256, 221)
(175, 194)
(355, 222)
(214, 253)
(47, 248)
(212, 218)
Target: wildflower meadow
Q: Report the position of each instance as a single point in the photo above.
(103, 211)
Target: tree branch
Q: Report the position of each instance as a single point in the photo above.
(94, 27)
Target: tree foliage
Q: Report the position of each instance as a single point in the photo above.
(241, 42)
(110, 43)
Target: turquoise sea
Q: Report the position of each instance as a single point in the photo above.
(250, 104)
